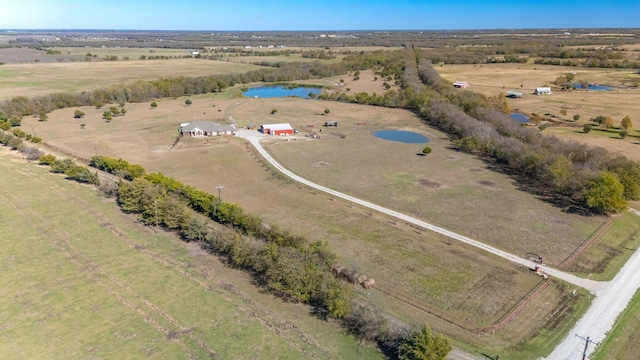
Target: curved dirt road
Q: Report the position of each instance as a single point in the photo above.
(254, 138)
(611, 297)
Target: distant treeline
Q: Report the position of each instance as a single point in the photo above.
(142, 91)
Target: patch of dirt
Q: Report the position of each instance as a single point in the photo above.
(318, 163)
(430, 184)
(488, 184)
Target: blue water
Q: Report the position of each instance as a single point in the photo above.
(280, 91)
(519, 117)
(593, 87)
(408, 137)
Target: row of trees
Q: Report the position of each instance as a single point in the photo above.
(287, 264)
(568, 173)
(142, 91)
(571, 170)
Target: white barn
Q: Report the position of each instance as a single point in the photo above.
(542, 91)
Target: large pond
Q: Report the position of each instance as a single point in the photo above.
(593, 87)
(280, 91)
(408, 137)
(519, 117)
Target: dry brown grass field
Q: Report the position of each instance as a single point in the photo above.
(444, 278)
(451, 189)
(492, 79)
(74, 77)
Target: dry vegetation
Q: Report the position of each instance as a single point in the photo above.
(492, 79)
(449, 188)
(478, 292)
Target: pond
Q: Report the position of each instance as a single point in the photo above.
(280, 91)
(519, 117)
(593, 87)
(408, 137)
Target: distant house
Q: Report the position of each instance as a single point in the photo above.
(542, 91)
(461, 84)
(205, 129)
(276, 129)
(514, 94)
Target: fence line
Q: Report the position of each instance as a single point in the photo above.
(580, 249)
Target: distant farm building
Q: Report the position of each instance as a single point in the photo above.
(542, 91)
(206, 128)
(514, 94)
(276, 129)
(461, 84)
(331, 123)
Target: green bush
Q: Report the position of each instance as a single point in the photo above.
(47, 159)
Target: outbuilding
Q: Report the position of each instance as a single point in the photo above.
(542, 91)
(277, 129)
(461, 84)
(514, 94)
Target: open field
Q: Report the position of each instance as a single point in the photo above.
(451, 189)
(40, 79)
(492, 79)
(623, 342)
(480, 290)
(82, 280)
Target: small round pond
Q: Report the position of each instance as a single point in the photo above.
(280, 91)
(519, 117)
(408, 137)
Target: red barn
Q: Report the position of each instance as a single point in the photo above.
(277, 129)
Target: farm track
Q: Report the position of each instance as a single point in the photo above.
(203, 278)
(591, 285)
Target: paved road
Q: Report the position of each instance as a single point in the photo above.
(604, 310)
(611, 297)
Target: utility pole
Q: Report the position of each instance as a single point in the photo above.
(587, 341)
(219, 187)
(156, 205)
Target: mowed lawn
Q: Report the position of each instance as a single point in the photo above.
(73, 77)
(446, 279)
(81, 280)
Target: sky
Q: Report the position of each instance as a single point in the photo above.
(324, 15)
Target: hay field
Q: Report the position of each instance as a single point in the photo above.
(492, 79)
(444, 277)
(74, 77)
(82, 280)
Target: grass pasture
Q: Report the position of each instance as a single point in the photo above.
(444, 278)
(623, 341)
(492, 79)
(74, 77)
(82, 280)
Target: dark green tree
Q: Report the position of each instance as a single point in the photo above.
(188, 102)
(78, 114)
(154, 105)
(423, 345)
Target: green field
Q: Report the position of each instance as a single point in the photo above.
(623, 341)
(82, 280)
